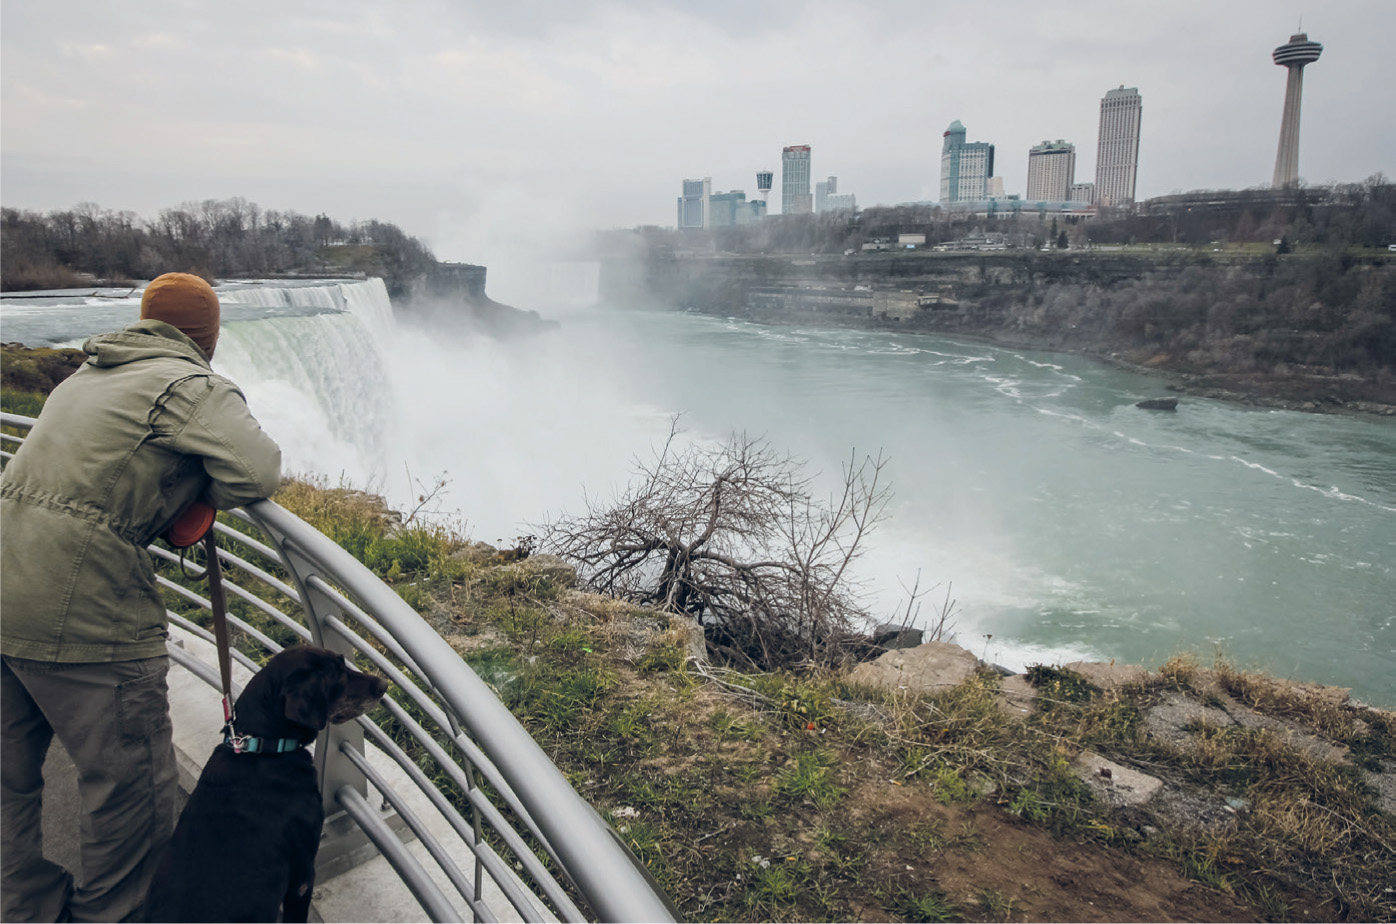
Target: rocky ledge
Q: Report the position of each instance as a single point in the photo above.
(1181, 706)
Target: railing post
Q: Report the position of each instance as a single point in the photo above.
(333, 770)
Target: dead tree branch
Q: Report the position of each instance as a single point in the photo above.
(732, 536)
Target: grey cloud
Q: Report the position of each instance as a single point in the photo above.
(536, 114)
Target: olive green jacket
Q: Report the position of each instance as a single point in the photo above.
(143, 428)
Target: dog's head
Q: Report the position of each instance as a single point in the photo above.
(314, 687)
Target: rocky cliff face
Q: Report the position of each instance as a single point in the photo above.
(1317, 328)
(451, 297)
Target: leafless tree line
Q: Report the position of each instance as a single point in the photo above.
(1324, 314)
(216, 237)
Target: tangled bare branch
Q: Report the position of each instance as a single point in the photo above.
(732, 536)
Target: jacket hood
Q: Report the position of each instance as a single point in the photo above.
(143, 340)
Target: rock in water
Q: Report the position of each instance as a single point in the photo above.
(1159, 404)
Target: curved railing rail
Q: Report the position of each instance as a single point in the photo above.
(519, 842)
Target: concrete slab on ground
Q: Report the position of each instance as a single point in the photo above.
(1115, 784)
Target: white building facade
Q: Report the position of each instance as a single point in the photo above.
(694, 205)
(795, 197)
(1051, 171)
(1117, 150)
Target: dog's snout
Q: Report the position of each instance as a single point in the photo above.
(361, 692)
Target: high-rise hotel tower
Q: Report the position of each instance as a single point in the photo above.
(795, 197)
(1117, 149)
(1051, 171)
(965, 167)
(1294, 54)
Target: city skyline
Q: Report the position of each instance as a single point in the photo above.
(451, 121)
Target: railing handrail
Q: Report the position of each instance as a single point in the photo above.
(593, 858)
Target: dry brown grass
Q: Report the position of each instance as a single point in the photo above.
(1179, 671)
(326, 508)
(1313, 706)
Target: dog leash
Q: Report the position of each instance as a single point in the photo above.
(219, 604)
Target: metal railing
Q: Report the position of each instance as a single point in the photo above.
(517, 832)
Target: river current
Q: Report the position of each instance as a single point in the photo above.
(1064, 521)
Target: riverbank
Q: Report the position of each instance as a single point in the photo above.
(1312, 333)
(1320, 394)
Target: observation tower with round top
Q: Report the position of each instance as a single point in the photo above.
(1294, 54)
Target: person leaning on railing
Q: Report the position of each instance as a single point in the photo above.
(140, 432)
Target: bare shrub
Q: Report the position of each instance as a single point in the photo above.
(732, 536)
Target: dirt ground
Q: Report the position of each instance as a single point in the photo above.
(1047, 878)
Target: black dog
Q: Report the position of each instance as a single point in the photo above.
(245, 845)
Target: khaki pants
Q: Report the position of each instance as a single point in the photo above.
(114, 721)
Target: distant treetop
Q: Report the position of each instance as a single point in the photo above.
(214, 238)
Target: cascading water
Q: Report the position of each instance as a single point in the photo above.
(313, 373)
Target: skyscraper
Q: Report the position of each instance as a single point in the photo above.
(694, 204)
(1051, 171)
(965, 168)
(1117, 150)
(822, 192)
(795, 198)
(1296, 53)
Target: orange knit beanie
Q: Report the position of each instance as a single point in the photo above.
(186, 302)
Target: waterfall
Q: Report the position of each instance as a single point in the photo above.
(316, 381)
(515, 428)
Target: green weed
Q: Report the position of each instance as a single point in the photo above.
(812, 777)
(755, 809)
(996, 905)
(932, 906)
(24, 403)
(1058, 683)
(662, 658)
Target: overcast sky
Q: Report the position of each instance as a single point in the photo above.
(475, 125)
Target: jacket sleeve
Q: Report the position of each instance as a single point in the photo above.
(242, 462)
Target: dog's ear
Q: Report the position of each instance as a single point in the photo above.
(308, 696)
